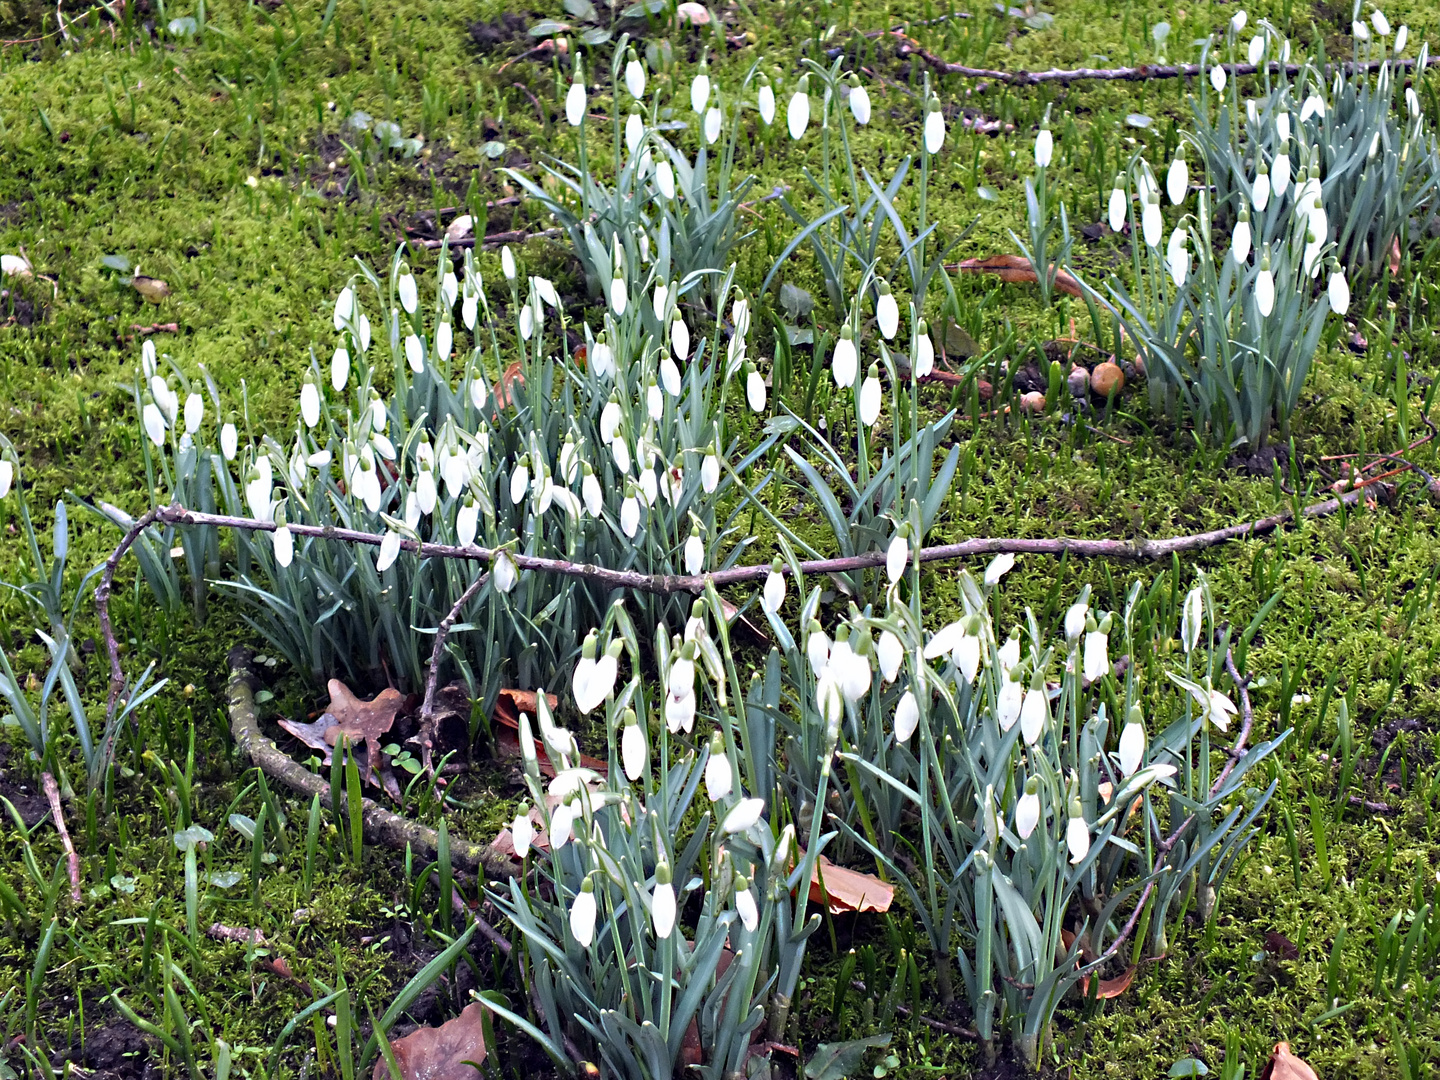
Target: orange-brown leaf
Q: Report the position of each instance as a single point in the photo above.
(1395, 257)
(362, 721)
(1017, 268)
(1283, 1065)
(453, 1051)
(848, 890)
(1111, 988)
(504, 392)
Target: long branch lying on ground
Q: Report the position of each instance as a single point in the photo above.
(910, 47)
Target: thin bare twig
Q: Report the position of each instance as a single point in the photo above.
(1137, 550)
(909, 47)
(52, 795)
(426, 736)
(102, 607)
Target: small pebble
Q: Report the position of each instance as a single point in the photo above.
(1033, 402)
(1107, 379)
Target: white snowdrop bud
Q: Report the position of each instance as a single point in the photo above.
(1044, 146)
(1256, 51)
(1217, 78)
(1338, 290)
(1077, 834)
(844, 363)
(507, 263)
(1240, 237)
(887, 311)
(1177, 180)
(409, 293)
(575, 103)
(754, 388)
(195, 410)
(582, 914)
(871, 397)
(229, 441)
(1359, 31)
(1265, 287)
(1237, 21)
(859, 102)
(1027, 809)
(632, 747)
(309, 401)
(1132, 742)
(1401, 37)
(700, 87)
(907, 717)
(924, 351)
(797, 114)
(1260, 190)
(1151, 223)
(719, 777)
(1119, 204)
(773, 596)
(634, 74)
(765, 101)
(934, 127)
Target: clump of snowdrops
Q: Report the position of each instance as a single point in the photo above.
(436, 423)
(1362, 135)
(1032, 809)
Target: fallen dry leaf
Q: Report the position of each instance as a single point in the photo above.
(1283, 1065)
(1111, 988)
(508, 707)
(1017, 268)
(359, 720)
(848, 890)
(453, 1051)
(312, 735)
(1394, 267)
(504, 395)
(151, 288)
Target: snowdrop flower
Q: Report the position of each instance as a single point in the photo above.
(444, 339)
(891, 655)
(1177, 257)
(1413, 101)
(745, 905)
(859, 101)
(887, 311)
(339, 368)
(505, 572)
(1035, 711)
(1218, 709)
(743, 816)
(562, 819)
(1192, 619)
(405, 286)
(1280, 171)
(1252, 111)
(283, 541)
(714, 118)
(1257, 48)
(1265, 286)
(754, 388)
(1132, 742)
(344, 312)
(765, 101)
(680, 711)
(522, 831)
(618, 295)
(1240, 238)
(1260, 190)
(1010, 702)
(934, 127)
(229, 441)
(1338, 289)
(1359, 31)
(449, 289)
(1044, 145)
(1151, 222)
(679, 337)
(907, 716)
(602, 359)
(666, 179)
(415, 351)
(507, 263)
(1177, 179)
(817, 646)
(999, 566)
(1027, 809)
(871, 397)
(575, 98)
(700, 87)
(634, 74)
(1077, 834)
(694, 554)
(1097, 656)
(797, 114)
(590, 491)
(309, 403)
(632, 747)
(924, 351)
(719, 777)
(630, 513)
(520, 480)
(850, 670)
(670, 375)
(195, 410)
(412, 511)
(897, 554)
(1237, 21)
(1217, 78)
(1075, 621)
(773, 595)
(845, 362)
(709, 471)
(1401, 36)
(1119, 203)
(582, 914)
(258, 482)
(966, 655)
(1282, 127)
(1010, 652)
(1314, 105)
(662, 902)
(467, 520)
(634, 130)
(389, 551)
(655, 400)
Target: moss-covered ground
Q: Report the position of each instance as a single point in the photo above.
(216, 162)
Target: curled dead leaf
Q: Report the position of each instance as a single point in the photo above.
(362, 721)
(1017, 268)
(453, 1051)
(1284, 1065)
(848, 890)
